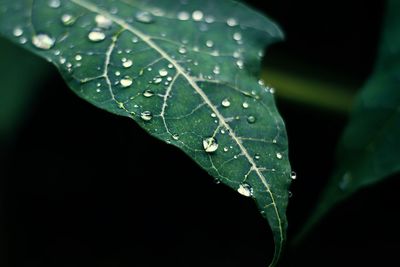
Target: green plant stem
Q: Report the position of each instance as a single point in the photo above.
(310, 91)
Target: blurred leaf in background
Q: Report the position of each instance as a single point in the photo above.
(369, 150)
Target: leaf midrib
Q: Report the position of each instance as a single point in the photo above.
(91, 7)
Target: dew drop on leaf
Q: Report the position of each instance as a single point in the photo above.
(127, 64)
(245, 105)
(293, 175)
(232, 22)
(197, 15)
(183, 15)
(43, 41)
(175, 136)
(103, 22)
(17, 32)
(144, 17)
(279, 155)
(67, 19)
(226, 103)
(257, 156)
(54, 3)
(148, 93)
(251, 119)
(210, 144)
(245, 190)
(126, 81)
(146, 116)
(96, 35)
(163, 72)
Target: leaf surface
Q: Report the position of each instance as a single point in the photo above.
(186, 71)
(369, 150)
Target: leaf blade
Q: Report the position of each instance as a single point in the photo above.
(145, 74)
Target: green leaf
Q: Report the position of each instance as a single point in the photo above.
(183, 70)
(369, 150)
(16, 94)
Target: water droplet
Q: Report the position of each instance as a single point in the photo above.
(96, 35)
(290, 194)
(157, 80)
(209, 43)
(103, 22)
(345, 181)
(213, 115)
(232, 22)
(245, 190)
(54, 3)
(226, 103)
(251, 119)
(146, 116)
(43, 41)
(182, 50)
(144, 17)
(237, 36)
(216, 70)
(78, 57)
(245, 105)
(257, 156)
(210, 144)
(197, 15)
(127, 63)
(293, 175)
(240, 63)
(117, 73)
(279, 155)
(209, 19)
(163, 72)
(17, 32)
(175, 136)
(183, 15)
(68, 19)
(226, 149)
(126, 81)
(148, 93)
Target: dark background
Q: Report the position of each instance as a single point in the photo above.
(81, 187)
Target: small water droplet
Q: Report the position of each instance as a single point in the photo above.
(232, 22)
(68, 19)
(257, 156)
(279, 155)
(226, 103)
(293, 175)
(175, 136)
(251, 119)
(245, 105)
(290, 194)
(226, 149)
(144, 17)
(17, 32)
(213, 115)
(146, 116)
(216, 70)
(237, 36)
(117, 73)
(245, 190)
(127, 64)
(54, 3)
(197, 15)
(240, 64)
(183, 15)
(78, 57)
(182, 50)
(210, 144)
(157, 80)
(103, 22)
(209, 43)
(43, 41)
(148, 93)
(96, 35)
(345, 181)
(126, 81)
(163, 72)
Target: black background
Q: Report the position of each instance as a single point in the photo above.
(82, 187)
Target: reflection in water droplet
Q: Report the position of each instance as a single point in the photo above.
(68, 19)
(279, 155)
(144, 17)
(245, 190)
(126, 81)
(17, 32)
(146, 115)
(226, 103)
(43, 41)
(127, 63)
(103, 22)
(183, 15)
(293, 175)
(210, 144)
(251, 119)
(148, 93)
(290, 194)
(163, 72)
(96, 35)
(197, 15)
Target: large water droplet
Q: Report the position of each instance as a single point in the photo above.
(103, 22)
(148, 93)
(96, 35)
(251, 119)
(126, 81)
(226, 103)
(210, 144)
(43, 41)
(146, 115)
(144, 17)
(245, 190)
